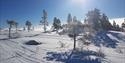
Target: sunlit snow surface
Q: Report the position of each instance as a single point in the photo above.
(15, 51)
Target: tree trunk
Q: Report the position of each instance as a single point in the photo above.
(74, 42)
(16, 29)
(9, 32)
(44, 27)
(57, 30)
(28, 28)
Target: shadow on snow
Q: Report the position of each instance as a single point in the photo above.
(75, 57)
(104, 39)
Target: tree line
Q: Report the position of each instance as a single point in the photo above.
(94, 19)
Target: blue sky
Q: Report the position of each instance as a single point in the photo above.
(22, 10)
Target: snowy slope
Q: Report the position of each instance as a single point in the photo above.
(50, 51)
(15, 51)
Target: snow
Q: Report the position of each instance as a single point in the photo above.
(10, 49)
(40, 27)
(16, 51)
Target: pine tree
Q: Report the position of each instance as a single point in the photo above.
(114, 26)
(56, 24)
(16, 25)
(69, 18)
(105, 24)
(44, 21)
(75, 19)
(28, 24)
(123, 26)
(117, 28)
(93, 18)
(11, 23)
(85, 21)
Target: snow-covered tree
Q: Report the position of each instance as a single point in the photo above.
(75, 28)
(44, 21)
(28, 24)
(56, 24)
(16, 25)
(69, 19)
(93, 18)
(98, 21)
(117, 28)
(105, 24)
(88, 34)
(114, 25)
(75, 19)
(10, 23)
(123, 26)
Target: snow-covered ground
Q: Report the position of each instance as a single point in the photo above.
(49, 51)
